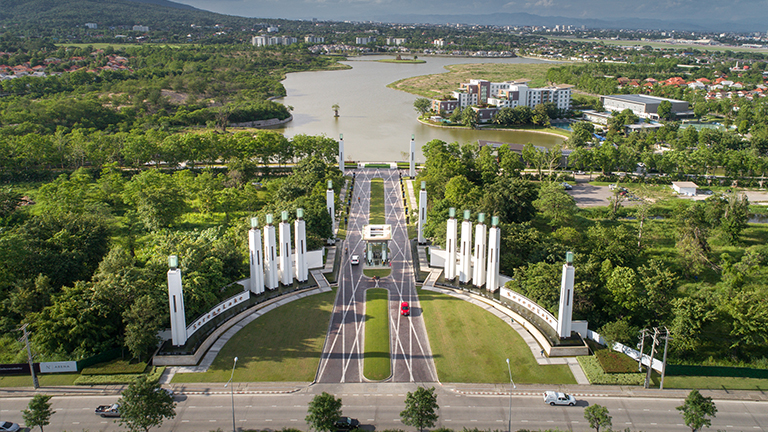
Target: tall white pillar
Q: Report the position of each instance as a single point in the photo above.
(256, 261)
(300, 246)
(478, 272)
(450, 245)
(465, 251)
(270, 255)
(566, 298)
(412, 160)
(341, 153)
(176, 303)
(422, 212)
(330, 204)
(286, 265)
(494, 244)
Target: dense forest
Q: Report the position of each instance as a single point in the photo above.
(94, 199)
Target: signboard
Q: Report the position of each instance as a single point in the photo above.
(58, 367)
(14, 369)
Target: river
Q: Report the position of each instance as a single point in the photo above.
(377, 122)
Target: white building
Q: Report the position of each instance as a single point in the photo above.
(439, 42)
(396, 41)
(365, 40)
(314, 39)
(263, 40)
(140, 28)
(643, 106)
(91, 25)
(685, 188)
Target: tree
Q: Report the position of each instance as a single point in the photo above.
(664, 110)
(144, 405)
(335, 108)
(141, 327)
(696, 409)
(323, 411)
(556, 205)
(469, 117)
(597, 416)
(420, 407)
(38, 412)
(422, 105)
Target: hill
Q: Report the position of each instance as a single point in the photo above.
(48, 17)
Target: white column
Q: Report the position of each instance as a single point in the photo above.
(286, 266)
(341, 153)
(566, 298)
(270, 255)
(478, 272)
(412, 160)
(494, 244)
(256, 261)
(422, 212)
(330, 204)
(465, 252)
(300, 246)
(176, 303)
(450, 245)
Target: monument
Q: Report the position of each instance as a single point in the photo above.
(256, 261)
(494, 244)
(450, 245)
(270, 255)
(341, 153)
(478, 272)
(422, 211)
(330, 203)
(565, 312)
(412, 158)
(286, 266)
(300, 246)
(176, 303)
(465, 249)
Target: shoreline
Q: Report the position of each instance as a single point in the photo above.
(539, 131)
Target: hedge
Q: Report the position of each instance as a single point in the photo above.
(115, 367)
(117, 379)
(715, 371)
(615, 362)
(596, 375)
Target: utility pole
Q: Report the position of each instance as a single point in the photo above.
(650, 360)
(642, 345)
(25, 338)
(664, 362)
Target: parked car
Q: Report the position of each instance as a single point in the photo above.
(346, 424)
(355, 260)
(566, 186)
(558, 398)
(108, 410)
(6, 426)
(405, 309)
(580, 172)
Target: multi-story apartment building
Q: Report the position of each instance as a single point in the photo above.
(314, 39)
(262, 40)
(364, 40)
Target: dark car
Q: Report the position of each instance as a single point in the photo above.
(346, 424)
(405, 309)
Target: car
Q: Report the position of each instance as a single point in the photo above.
(355, 260)
(108, 410)
(405, 309)
(566, 186)
(580, 172)
(558, 398)
(611, 186)
(346, 424)
(7, 426)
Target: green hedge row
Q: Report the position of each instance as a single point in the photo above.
(115, 367)
(596, 374)
(715, 371)
(118, 378)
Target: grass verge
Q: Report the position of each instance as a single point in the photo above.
(276, 347)
(45, 380)
(711, 383)
(376, 215)
(376, 362)
(471, 345)
(377, 272)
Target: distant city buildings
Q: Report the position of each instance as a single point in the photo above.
(262, 40)
(365, 40)
(488, 97)
(314, 39)
(91, 25)
(140, 28)
(396, 41)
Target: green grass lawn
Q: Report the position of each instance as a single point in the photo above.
(376, 364)
(377, 272)
(376, 216)
(45, 380)
(710, 383)
(471, 345)
(283, 345)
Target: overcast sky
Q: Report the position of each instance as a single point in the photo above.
(374, 10)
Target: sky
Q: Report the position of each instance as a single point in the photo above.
(377, 10)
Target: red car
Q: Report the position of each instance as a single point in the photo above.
(405, 310)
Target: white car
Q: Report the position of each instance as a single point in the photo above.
(7, 426)
(557, 398)
(355, 260)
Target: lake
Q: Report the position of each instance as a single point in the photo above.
(377, 122)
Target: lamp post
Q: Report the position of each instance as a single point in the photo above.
(509, 369)
(232, 388)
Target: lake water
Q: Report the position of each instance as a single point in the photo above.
(377, 122)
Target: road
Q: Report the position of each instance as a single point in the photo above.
(342, 357)
(378, 407)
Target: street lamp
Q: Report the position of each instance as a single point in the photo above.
(232, 388)
(509, 369)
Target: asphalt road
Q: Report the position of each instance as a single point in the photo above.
(378, 407)
(342, 357)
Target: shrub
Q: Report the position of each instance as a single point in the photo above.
(615, 362)
(115, 367)
(596, 375)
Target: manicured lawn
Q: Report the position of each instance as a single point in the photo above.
(377, 272)
(376, 216)
(283, 345)
(45, 380)
(711, 383)
(376, 362)
(471, 345)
